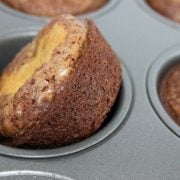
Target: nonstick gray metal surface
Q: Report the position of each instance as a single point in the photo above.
(142, 142)
(31, 175)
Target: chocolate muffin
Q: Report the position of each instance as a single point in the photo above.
(169, 91)
(60, 87)
(55, 7)
(167, 8)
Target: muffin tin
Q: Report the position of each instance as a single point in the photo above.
(138, 140)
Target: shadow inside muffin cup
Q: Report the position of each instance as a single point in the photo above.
(157, 72)
(10, 44)
(108, 6)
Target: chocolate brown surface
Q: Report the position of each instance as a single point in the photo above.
(55, 7)
(79, 104)
(169, 91)
(168, 8)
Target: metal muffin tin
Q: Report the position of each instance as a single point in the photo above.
(138, 141)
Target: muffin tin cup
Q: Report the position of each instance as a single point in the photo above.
(31, 175)
(95, 14)
(10, 44)
(167, 59)
(157, 16)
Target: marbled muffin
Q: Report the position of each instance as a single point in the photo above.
(169, 90)
(60, 87)
(167, 8)
(55, 7)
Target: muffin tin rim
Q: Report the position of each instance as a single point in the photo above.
(157, 16)
(168, 58)
(33, 173)
(101, 135)
(94, 14)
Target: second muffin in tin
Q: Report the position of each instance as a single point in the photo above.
(55, 7)
(167, 8)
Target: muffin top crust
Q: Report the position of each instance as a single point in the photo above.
(71, 36)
